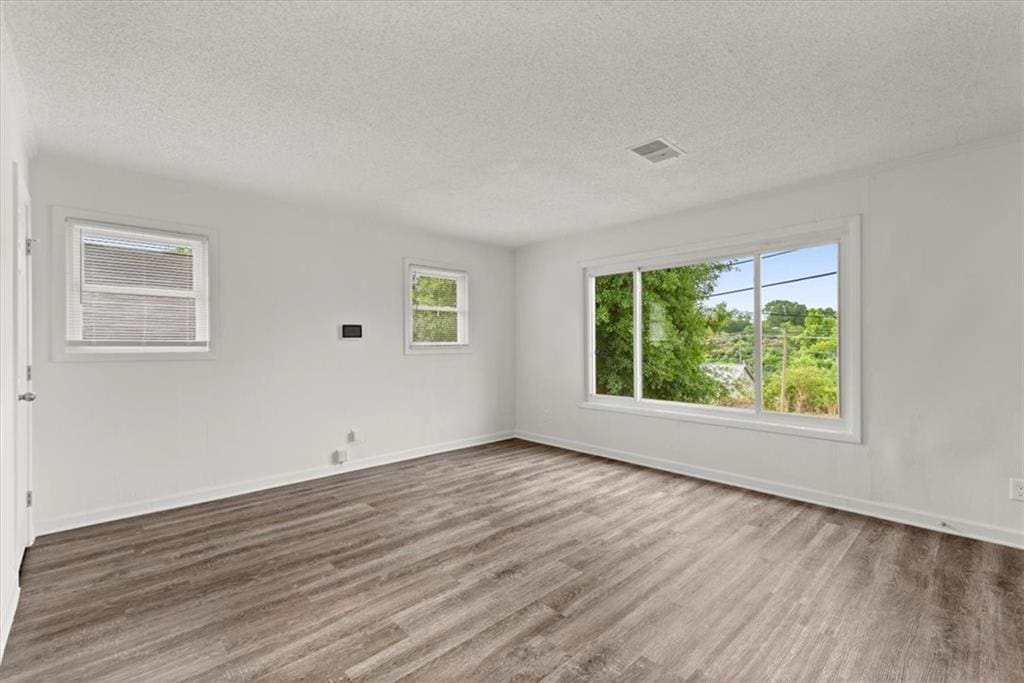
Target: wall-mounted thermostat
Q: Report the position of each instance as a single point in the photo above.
(350, 331)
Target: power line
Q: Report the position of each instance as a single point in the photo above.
(764, 256)
(773, 284)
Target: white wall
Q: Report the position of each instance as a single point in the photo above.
(942, 347)
(15, 144)
(118, 438)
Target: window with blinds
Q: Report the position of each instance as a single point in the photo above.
(136, 290)
(437, 307)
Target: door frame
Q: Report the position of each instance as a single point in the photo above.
(23, 328)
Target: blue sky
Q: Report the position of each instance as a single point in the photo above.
(818, 293)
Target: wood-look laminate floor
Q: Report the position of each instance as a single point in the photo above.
(515, 561)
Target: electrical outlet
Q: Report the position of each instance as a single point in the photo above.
(340, 457)
(1017, 489)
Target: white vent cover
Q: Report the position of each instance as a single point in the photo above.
(657, 150)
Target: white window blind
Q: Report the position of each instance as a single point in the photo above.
(136, 289)
(438, 307)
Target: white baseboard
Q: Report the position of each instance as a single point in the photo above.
(960, 527)
(10, 606)
(134, 509)
(893, 513)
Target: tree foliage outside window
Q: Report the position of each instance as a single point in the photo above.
(613, 334)
(679, 330)
(435, 315)
(801, 361)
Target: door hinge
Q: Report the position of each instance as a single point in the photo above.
(28, 245)
(28, 373)
(28, 499)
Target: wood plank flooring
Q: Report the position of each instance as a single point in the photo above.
(521, 562)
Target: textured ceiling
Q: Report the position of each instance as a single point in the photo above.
(510, 122)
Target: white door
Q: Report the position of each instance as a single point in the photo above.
(23, 361)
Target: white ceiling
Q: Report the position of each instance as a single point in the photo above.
(509, 122)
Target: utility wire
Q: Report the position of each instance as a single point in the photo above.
(773, 284)
(764, 256)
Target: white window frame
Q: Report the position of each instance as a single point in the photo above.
(461, 275)
(63, 231)
(845, 232)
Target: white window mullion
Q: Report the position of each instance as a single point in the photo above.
(758, 388)
(73, 328)
(201, 288)
(425, 307)
(462, 306)
(638, 333)
(591, 285)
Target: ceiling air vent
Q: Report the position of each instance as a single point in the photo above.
(657, 150)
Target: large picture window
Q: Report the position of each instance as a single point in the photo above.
(761, 334)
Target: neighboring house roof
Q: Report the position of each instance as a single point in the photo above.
(729, 372)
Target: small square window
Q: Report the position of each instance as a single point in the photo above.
(437, 308)
(135, 290)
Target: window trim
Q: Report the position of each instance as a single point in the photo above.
(842, 231)
(60, 229)
(444, 270)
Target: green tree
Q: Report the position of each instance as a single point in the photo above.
(432, 325)
(677, 331)
(734, 342)
(434, 291)
(737, 322)
(809, 389)
(781, 312)
(682, 335)
(800, 362)
(613, 334)
(674, 359)
(818, 341)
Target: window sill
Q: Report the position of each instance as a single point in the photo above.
(65, 354)
(793, 425)
(422, 349)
